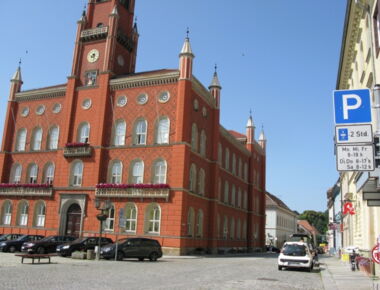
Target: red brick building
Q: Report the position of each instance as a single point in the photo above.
(147, 144)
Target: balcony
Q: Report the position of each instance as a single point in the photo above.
(133, 190)
(77, 150)
(11, 189)
(94, 34)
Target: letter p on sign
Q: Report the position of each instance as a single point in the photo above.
(352, 106)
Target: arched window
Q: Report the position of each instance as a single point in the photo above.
(32, 173)
(244, 230)
(119, 133)
(159, 174)
(152, 219)
(225, 228)
(39, 214)
(232, 231)
(131, 218)
(21, 140)
(16, 173)
(48, 175)
(22, 213)
(245, 172)
(240, 173)
(190, 222)
(220, 189)
(201, 182)
(6, 211)
(193, 178)
(227, 161)
(83, 133)
(115, 172)
(53, 137)
(76, 173)
(36, 139)
(226, 189)
(233, 195)
(109, 223)
(220, 154)
(140, 132)
(163, 129)
(245, 200)
(203, 143)
(239, 197)
(199, 226)
(238, 230)
(137, 171)
(194, 137)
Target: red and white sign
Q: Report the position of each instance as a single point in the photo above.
(348, 208)
(376, 254)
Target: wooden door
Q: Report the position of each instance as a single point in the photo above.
(74, 214)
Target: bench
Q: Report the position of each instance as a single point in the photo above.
(35, 256)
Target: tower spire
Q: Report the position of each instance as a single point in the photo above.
(215, 87)
(262, 138)
(250, 129)
(186, 59)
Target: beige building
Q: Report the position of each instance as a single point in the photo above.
(359, 68)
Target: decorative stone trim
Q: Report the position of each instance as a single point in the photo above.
(94, 34)
(41, 94)
(83, 151)
(143, 81)
(26, 191)
(133, 192)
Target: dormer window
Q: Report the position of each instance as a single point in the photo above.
(90, 78)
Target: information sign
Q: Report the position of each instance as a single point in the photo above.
(376, 254)
(355, 157)
(354, 134)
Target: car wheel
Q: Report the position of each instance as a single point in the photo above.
(279, 268)
(310, 269)
(141, 259)
(40, 250)
(153, 256)
(12, 249)
(120, 256)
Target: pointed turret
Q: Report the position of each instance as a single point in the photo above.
(262, 139)
(114, 11)
(215, 88)
(250, 129)
(16, 83)
(186, 60)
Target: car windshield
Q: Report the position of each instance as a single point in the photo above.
(47, 239)
(22, 238)
(294, 250)
(78, 240)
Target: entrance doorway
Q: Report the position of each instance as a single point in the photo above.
(73, 219)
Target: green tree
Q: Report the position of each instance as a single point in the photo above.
(317, 219)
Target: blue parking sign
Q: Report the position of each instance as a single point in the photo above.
(352, 106)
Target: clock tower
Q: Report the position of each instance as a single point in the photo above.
(106, 41)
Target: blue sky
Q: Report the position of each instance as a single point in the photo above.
(279, 58)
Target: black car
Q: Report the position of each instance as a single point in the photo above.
(15, 245)
(81, 244)
(7, 237)
(46, 245)
(272, 249)
(139, 248)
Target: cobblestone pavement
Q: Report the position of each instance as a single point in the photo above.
(244, 272)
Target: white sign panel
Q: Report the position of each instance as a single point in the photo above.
(353, 134)
(355, 158)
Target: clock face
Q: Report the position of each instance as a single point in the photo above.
(93, 55)
(120, 60)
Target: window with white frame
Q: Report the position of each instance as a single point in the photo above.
(119, 134)
(6, 212)
(131, 218)
(233, 163)
(140, 132)
(239, 198)
(240, 173)
(162, 133)
(137, 172)
(16, 173)
(109, 223)
(233, 195)
(53, 137)
(232, 231)
(77, 173)
(225, 228)
(220, 154)
(32, 173)
(194, 137)
(153, 219)
(220, 189)
(21, 140)
(227, 161)
(199, 224)
(23, 213)
(190, 222)
(245, 172)
(48, 176)
(40, 212)
(245, 200)
(193, 178)
(116, 172)
(201, 182)
(83, 133)
(203, 143)
(36, 139)
(226, 192)
(159, 176)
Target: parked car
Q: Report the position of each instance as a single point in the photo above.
(15, 245)
(46, 245)
(81, 244)
(271, 248)
(7, 237)
(139, 248)
(295, 255)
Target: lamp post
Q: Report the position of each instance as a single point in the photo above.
(103, 206)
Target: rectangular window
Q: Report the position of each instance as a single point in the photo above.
(90, 78)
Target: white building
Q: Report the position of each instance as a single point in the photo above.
(281, 221)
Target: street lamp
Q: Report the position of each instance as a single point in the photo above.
(103, 206)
